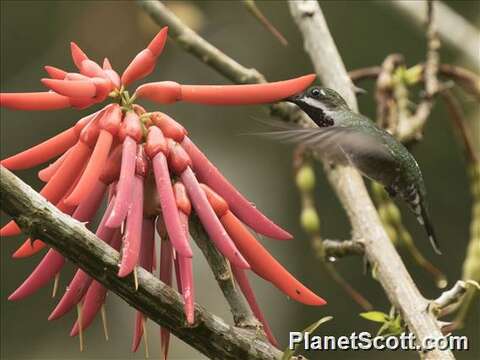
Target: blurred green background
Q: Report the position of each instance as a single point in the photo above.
(36, 33)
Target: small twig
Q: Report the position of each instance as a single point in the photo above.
(412, 129)
(341, 248)
(466, 79)
(255, 11)
(387, 109)
(450, 297)
(458, 121)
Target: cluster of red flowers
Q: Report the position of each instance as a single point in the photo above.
(151, 175)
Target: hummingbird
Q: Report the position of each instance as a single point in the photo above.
(351, 138)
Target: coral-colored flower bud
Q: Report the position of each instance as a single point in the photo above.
(178, 158)
(158, 43)
(182, 199)
(75, 76)
(92, 69)
(103, 86)
(219, 205)
(170, 128)
(111, 170)
(89, 133)
(156, 142)
(78, 55)
(106, 64)
(142, 65)
(139, 109)
(144, 62)
(80, 125)
(112, 118)
(114, 77)
(55, 73)
(141, 164)
(163, 92)
(72, 88)
(81, 103)
(131, 127)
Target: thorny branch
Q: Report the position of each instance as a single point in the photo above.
(209, 334)
(348, 184)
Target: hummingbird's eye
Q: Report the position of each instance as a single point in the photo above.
(315, 92)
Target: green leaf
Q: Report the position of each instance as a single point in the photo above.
(376, 316)
(288, 353)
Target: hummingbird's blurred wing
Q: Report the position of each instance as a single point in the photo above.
(338, 142)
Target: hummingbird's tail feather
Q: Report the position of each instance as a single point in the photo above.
(424, 219)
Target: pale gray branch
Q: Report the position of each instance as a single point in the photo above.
(452, 28)
(348, 184)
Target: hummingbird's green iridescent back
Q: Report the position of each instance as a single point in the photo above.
(345, 136)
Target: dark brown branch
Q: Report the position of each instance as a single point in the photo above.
(209, 334)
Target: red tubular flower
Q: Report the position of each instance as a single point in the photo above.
(133, 226)
(165, 92)
(242, 281)
(184, 264)
(34, 101)
(81, 281)
(46, 173)
(165, 275)
(109, 123)
(124, 185)
(180, 161)
(265, 265)
(145, 261)
(94, 297)
(156, 148)
(151, 172)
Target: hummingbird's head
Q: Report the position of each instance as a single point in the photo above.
(318, 98)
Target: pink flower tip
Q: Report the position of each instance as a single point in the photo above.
(158, 43)
(78, 55)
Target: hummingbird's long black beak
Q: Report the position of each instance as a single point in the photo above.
(293, 99)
